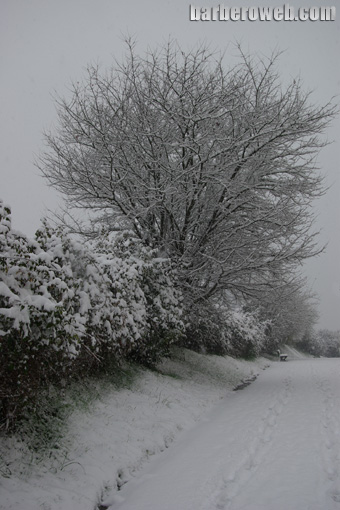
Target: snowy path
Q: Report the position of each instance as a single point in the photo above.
(273, 446)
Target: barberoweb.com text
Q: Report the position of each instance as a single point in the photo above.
(285, 12)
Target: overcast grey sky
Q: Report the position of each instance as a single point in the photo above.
(44, 44)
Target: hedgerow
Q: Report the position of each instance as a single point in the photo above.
(221, 330)
(67, 306)
(70, 307)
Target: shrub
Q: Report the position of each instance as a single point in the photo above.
(144, 293)
(67, 306)
(219, 330)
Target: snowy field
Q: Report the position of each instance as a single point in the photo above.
(185, 441)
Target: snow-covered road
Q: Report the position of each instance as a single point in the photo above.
(274, 445)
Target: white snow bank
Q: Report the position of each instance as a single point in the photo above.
(105, 446)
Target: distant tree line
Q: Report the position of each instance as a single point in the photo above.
(323, 342)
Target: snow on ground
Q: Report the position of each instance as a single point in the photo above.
(124, 430)
(273, 446)
(182, 440)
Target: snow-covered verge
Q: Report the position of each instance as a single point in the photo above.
(105, 445)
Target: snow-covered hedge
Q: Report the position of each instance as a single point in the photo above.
(146, 307)
(245, 333)
(69, 306)
(66, 306)
(220, 330)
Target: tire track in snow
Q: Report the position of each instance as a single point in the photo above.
(233, 480)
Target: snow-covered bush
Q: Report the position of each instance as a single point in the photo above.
(245, 332)
(82, 288)
(205, 330)
(38, 335)
(67, 306)
(219, 330)
(147, 304)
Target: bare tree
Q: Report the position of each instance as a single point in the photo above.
(215, 168)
